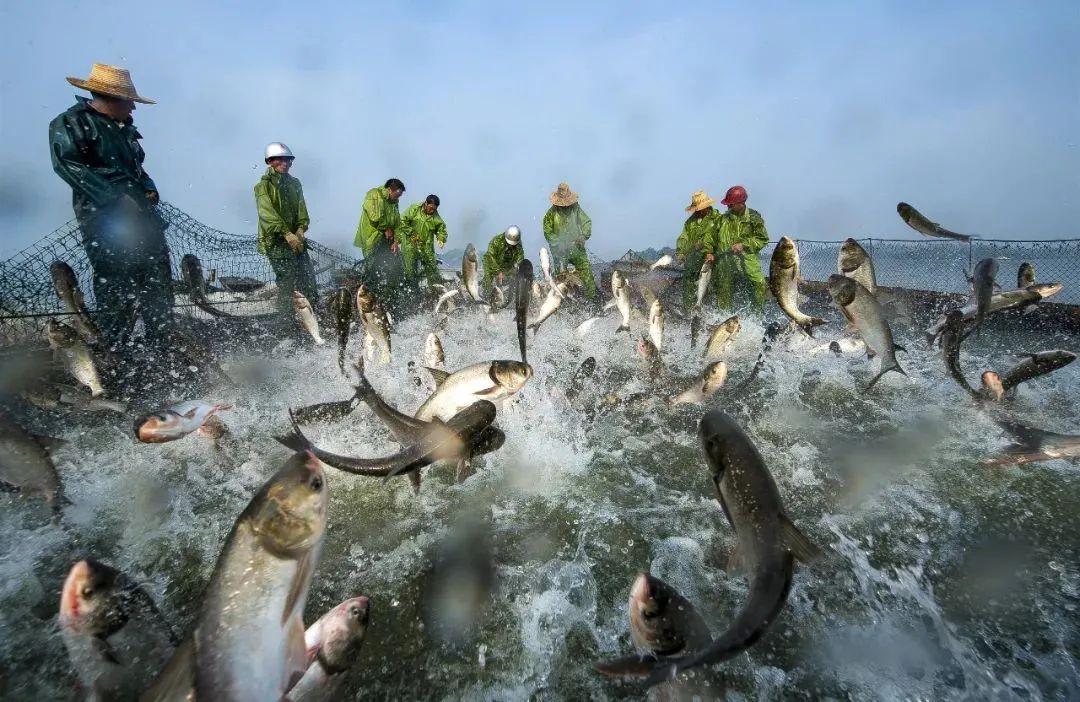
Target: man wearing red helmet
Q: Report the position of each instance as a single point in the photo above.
(739, 237)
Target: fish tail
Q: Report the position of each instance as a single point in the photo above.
(535, 327)
(295, 439)
(883, 371)
(623, 328)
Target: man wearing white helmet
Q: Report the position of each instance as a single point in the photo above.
(283, 222)
(503, 254)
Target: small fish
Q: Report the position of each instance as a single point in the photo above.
(983, 284)
(191, 267)
(1033, 366)
(865, 310)
(522, 290)
(695, 330)
(376, 322)
(333, 644)
(75, 355)
(341, 306)
(306, 315)
(703, 283)
(175, 422)
(67, 289)
(446, 299)
(551, 305)
(489, 380)
(854, 262)
(433, 352)
(620, 289)
(1025, 276)
(25, 463)
(921, 224)
(656, 324)
(711, 380)
(999, 302)
(1034, 445)
(784, 284)
(470, 273)
(722, 336)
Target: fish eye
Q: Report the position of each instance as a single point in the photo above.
(161, 417)
(316, 483)
(87, 591)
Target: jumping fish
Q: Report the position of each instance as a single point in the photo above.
(854, 262)
(711, 380)
(333, 644)
(722, 337)
(865, 310)
(982, 283)
(767, 545)
(75, 355)
(470, 273)
(656, 324)
(67, 289)
(551, 305)
(306, 315)
(1025, 275)
(1032, 445)
(1007, 300)
(175, 422)
(784, 284)
(522, 291)
(921, 224)
(341, 306)
(191, 267)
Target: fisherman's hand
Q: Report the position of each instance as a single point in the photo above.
(737, 247)
(442, 244)
(152, 196)
(300, 233)
(393, 245)
(389, 234)
(293, 241)
(709, 258)
(500, 278)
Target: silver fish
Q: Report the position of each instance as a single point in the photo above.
(1007, 300)
(333, 643)
(523, 283)
(470, 273)
(1034, 445)
(722, 336)
(75, 355)
(551, 305)
(490, 380)
(854, 262)
(662, 262)
(175, 422)
(433, 352)
(784, 284)
(951, 339)
(191, 267)
(656, 324)
(115, 635)
(306, 315)
(25, 463)
(1035, 365)
(921, 224)
(767, 545)
(620, 289)
(703, 282)
(248, 641)
(983, 284)
(711, 380)
(376, 323)
(67, 289)
(865, 310)
(1025, 275)
(341, 306)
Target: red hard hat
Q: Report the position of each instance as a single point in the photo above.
(734, 196)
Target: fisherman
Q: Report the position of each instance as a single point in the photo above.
(567, 228)
(377, 237)
(739, 237)
(421, 225)
(283, 222)
(694, 246)
(95, 149)
(503, 254)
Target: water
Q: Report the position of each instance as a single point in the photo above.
(947, 580)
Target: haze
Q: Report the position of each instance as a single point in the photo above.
(828, 113)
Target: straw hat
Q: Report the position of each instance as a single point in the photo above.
(111, 81)
(699, 201)
(563, 196)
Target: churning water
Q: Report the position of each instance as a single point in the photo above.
(947, 579)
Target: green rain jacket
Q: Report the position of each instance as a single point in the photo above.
(697, 235)
(379, 215)
(280, 202)
(747, 229)
(419, 231)
(500, 257)
(100, 159)
(565, 227)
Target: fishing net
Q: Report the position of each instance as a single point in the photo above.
(230, 261)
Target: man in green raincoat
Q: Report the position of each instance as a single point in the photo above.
(739, 238)
(95, 149)
(503, 254)
(695, 245)
(421, 226)
(567, 228)
(283, 221)
(377, 238)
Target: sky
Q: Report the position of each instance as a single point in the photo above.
(829, 113)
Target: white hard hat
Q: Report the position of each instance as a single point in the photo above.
(512, 235)
(276, 149)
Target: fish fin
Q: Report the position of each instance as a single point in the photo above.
(898, 347)
(297, 590)
(735, 565)
(439, 376)
(870, 353)
(623, 327)
(492, 392)
(1028, 438)
(883, 371)
(295, 439)
(535, 327)
(796, 542)
(628, 666)
(609, 305)
(414, 478)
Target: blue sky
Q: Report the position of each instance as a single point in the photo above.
(829, 113)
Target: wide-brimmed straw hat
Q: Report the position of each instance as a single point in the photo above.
(563, 196)
(112, 81)
(699, 201)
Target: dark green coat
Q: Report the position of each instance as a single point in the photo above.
(279, 199)
(500, 257)
(100, 159)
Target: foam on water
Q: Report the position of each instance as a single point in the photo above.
(948, 579)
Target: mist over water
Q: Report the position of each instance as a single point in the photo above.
(947, 579)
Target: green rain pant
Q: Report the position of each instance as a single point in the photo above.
(488, 281)
(419, 261)
(579, 259)
(293, 271)
(734, 272)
